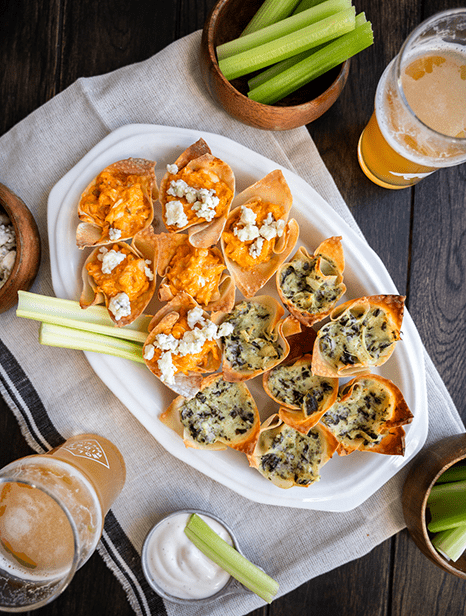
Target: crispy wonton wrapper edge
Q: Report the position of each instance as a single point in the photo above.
(186, 385)
(330, 248)
(203, 234)
(245, 443)
(91, 295)
(272, 188)
(392, 304)
(89, 234)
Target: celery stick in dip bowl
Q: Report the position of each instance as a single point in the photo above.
(177, 570)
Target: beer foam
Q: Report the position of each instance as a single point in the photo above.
(402, 131)
(70, 487)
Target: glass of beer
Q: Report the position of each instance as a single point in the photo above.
(52, 510)
(419, 121)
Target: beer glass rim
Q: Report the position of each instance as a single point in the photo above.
(399, 61)
(76, 552)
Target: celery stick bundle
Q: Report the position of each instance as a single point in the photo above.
(65, 324)
(447, 506)
(313, 38)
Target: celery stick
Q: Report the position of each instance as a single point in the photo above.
(306, 4)
(447, 512)
(288, 45)
(282, 28)
(274, 70)
(451, 543)
(68, 338)
(330, 56)
(457, 472)
(278, 68)
(270, 12)
(70, 314)
(229, 559)
(450, 489)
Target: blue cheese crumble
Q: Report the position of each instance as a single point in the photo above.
(249, 230)
(203, 203)
(120, 306)
(114, 234)
(7, 248)
(110, 259)
(201, 330)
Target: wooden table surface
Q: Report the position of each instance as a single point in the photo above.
(419, 233)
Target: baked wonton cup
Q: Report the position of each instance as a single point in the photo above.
(220, 415)
(368, 416)
(391, 443)
(303, 397)
(311, 285)
(118, 203)
(287, 457)
(196, 194)
(181, 345)
(255, 337)
(258, 237)
(200, 272)
(122, 277)
(361, 335)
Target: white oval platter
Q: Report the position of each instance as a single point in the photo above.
(346, 482)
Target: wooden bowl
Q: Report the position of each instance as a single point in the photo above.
(225, 22)
(427, 468)
(27, 248)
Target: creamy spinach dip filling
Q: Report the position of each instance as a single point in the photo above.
(357, 337)
(362, 416)
(304, 287)
(250, 346)
(220, 411)
(291, 455)
(296, 386)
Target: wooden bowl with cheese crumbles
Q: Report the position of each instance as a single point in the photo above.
(20, 248)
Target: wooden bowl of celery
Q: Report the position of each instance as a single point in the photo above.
(434, 503)
(28, 248)
(250, 96)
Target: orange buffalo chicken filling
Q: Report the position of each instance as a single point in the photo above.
(250, 235)
(128, 276)
(192, 362)
(117, 201)
(196, 271)
(202, 194)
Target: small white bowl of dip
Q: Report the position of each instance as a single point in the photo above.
(177, 570)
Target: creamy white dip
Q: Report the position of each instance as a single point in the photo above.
(7, 247)
(177, 566)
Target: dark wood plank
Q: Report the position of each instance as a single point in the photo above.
(419, 587)
(437, 292)
(343, 590)
(29, 34)
(98, 37)
(437, 285)
(437, 296)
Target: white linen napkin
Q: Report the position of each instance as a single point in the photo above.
(52, 404)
